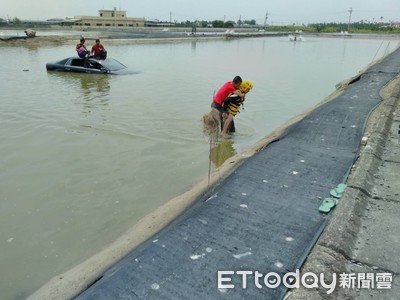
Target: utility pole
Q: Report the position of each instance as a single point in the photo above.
(348, 25)
(170, 18)
(266, 18)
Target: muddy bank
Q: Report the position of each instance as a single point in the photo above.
(151, 35)
(156, 35)
(134, 36)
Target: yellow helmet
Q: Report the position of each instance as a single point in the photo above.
(245, 86)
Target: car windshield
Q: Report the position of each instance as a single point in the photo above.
(112, 64)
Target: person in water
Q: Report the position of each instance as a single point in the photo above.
(230, 87)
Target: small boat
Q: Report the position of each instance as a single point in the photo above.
(296, 36)
(345, 33)
(86, 65)
(230, 32)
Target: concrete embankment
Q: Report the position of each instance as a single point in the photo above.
(361, 237)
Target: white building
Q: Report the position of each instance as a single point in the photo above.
(108, 19)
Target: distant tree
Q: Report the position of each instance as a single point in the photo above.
(187, 24)
(229, 24)
(17, 21)
(250, 22)
(217, 23)
(204, 24)
(222, 24)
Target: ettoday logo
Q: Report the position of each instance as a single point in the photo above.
(308, 280)
(272, 280)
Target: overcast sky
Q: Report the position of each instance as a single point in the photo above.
(279, 11)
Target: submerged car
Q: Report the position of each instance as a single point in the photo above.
(86, 65)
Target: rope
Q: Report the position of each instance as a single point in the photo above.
(377, 51)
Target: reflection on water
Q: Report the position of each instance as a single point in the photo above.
(193, 46)
(94, 85)
(91, 85)
(92, 90)
(222, 151)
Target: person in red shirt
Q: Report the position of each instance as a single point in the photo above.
(98, 51)
(229, 88)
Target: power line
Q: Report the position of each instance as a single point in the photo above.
(266, 18)
(348, 25)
